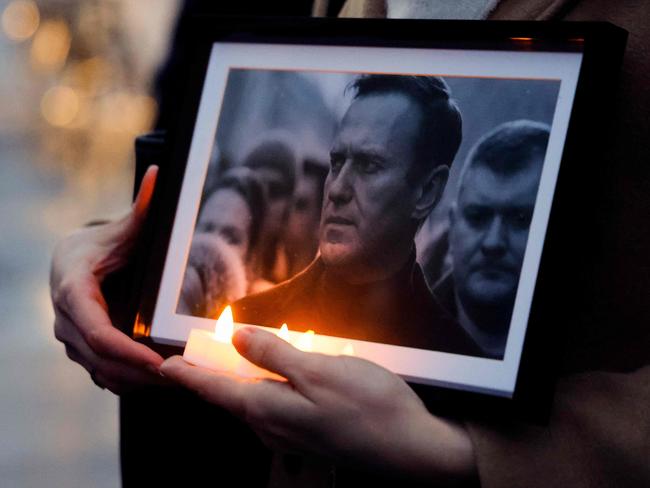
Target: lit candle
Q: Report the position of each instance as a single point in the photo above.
(214, 350)
(305, 342)
(284, 333)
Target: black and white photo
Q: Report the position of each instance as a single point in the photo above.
(396, 206)
(340, 256)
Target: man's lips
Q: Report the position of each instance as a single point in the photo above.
(494, 269)
(338, 220)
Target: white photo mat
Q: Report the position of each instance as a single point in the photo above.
(496, 377)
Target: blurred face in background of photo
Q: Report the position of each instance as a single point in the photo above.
(303, 223)
(274, 164)
(489, 232)
(279, 196)
(226, 214)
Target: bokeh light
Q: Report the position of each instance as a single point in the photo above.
(127, 112)
(63, 63)
(20, 20)
(91, 75)
(51, 46)
(60, 106)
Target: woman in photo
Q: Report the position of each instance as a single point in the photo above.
(225, 245)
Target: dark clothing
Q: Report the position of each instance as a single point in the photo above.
(399, 310)
(171, 437)
(444, 291)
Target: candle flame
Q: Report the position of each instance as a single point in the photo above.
(283, 333)
(348, 350)
(225, 326)
(305, 341)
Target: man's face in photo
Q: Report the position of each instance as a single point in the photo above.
(489, 232)
(368, 204)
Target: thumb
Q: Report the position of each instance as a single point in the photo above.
(132, 222)
(118, 237)
(268, 351)
(143, 198)
(145, 193)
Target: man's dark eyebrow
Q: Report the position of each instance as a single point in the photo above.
(369, 153)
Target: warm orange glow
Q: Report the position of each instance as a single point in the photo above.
(348, 350)
(139, 114)
(283, 333)
(20, 20)
(140, 329)
(59, 106)
(125, 112)
(522, 39)
(51, 46)
(92, 75)
(305, 342)
(225, 326)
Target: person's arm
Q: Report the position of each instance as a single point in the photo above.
(343, 408)
(79, 265)
(598, 435)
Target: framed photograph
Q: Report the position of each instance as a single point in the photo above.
(391, 186)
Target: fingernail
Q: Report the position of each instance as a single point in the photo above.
(242, 337)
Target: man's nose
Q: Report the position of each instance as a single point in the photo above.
(341, 188)
(495, 241)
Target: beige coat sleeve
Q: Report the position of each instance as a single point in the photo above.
(598, 436)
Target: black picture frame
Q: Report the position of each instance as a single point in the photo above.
(571, 225)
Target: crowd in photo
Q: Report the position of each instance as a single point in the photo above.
(411, 232)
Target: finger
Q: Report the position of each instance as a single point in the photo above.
(145, 193)
(274, 354)
(120, 235)
(265, 404)
(221, 389)
(117, 373)
(76, 356)
(106, 383)
(90, 318)
(118, 378)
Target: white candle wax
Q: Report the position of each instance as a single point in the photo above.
(215, 351)
(203, 349)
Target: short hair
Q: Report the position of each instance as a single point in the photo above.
(508, 148)
(278, 156)
(244, 182)
(441, 123)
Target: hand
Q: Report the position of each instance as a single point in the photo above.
(214, 277)
(80, 263)
(344, 408)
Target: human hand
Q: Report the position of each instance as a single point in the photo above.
(343, 408)
(214, 277)
(80, 263)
